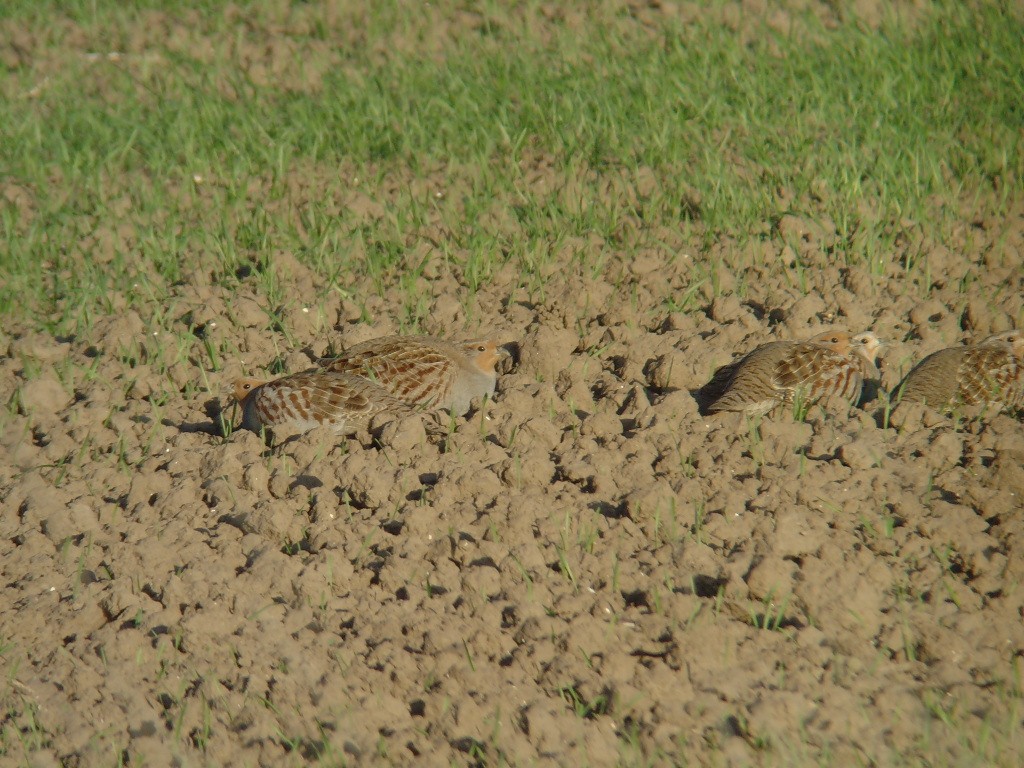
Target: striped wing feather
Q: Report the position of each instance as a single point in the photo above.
(820, 373)
(990, 373)
(334, 399)
(774, 372)
(408, 369)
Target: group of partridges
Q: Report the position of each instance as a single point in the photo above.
(405, 374)
(834, 367)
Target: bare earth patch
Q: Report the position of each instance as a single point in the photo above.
(585, 571)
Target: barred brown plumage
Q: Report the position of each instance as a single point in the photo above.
(991, 371)
(831, 365)
(423, 371)
(307, 400)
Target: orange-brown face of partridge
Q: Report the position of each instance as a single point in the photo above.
(1015, 340)
(839, 341)
(484, 354)
(242, 388)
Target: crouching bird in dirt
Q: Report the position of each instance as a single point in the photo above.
(392, 375)
(425, 372)
(830, 366)
(989, 372)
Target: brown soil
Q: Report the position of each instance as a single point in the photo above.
(586, 571)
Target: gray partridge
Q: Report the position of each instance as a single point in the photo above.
(991, 371)
(303, 401)
(422, 371)
(830, 365)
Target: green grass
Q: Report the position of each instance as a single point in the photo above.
(136, 170)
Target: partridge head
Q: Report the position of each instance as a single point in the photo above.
(867, 346)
